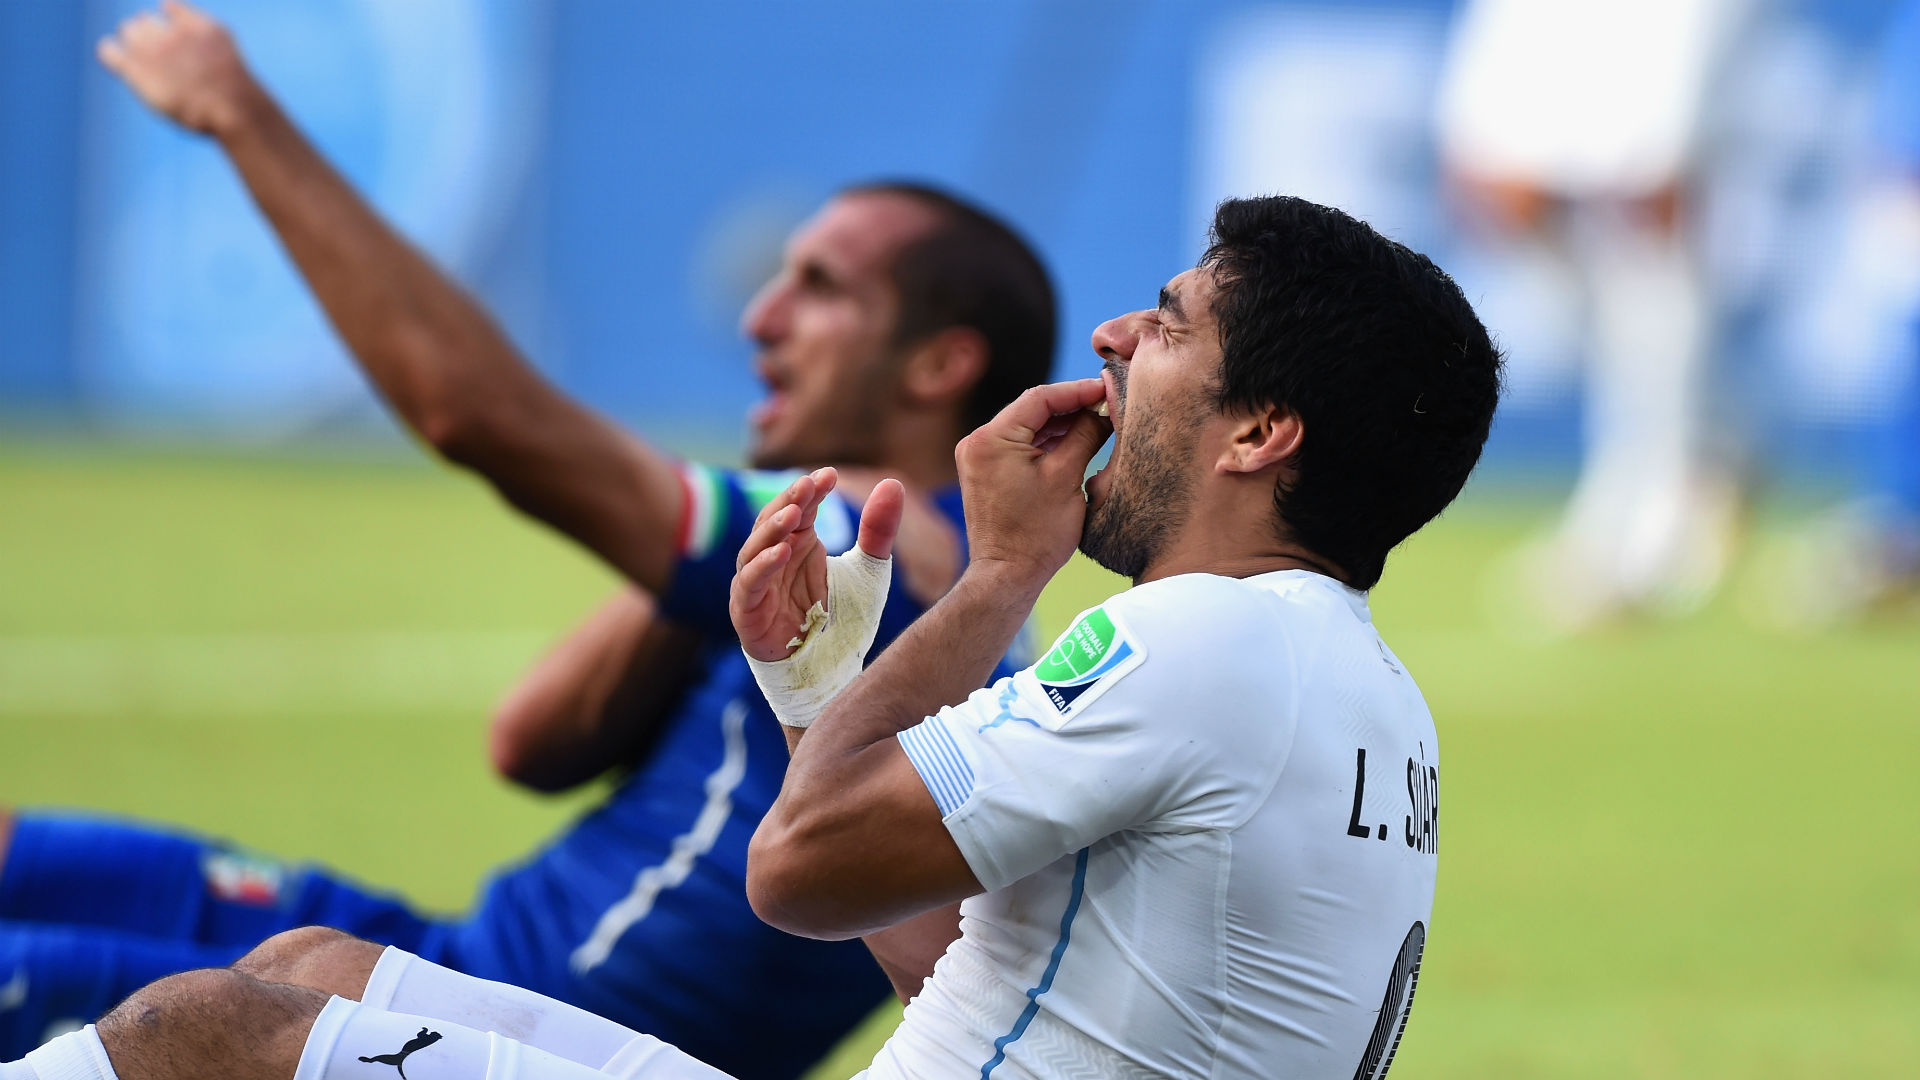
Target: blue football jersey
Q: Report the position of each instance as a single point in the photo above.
(639, 910)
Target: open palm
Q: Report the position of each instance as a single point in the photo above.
(782, 570)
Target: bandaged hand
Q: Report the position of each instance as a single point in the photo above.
(806, 620)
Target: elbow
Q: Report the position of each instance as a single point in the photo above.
(516, 756)
(445, 430)
(507, 752)
(444, 402)
(771, 888)
(453, 429)
(784, 888)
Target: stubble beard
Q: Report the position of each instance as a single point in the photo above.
(1148, 493)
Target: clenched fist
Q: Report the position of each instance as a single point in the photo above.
(183, 65)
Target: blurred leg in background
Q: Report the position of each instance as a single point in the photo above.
(1578, 123)
(1649, 525)
(1891, 554)
(1897, 473)
(1862, 558)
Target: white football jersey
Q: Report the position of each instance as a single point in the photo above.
(1206, 823)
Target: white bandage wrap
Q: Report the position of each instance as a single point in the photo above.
(77, 1055)
(833, 640)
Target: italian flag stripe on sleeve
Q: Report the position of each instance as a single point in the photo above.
(706, 505)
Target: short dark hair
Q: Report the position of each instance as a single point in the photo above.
(1376, 351)
(973, 270)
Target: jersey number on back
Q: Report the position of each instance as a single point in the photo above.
(1394, 1007)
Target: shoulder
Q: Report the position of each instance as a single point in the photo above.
(1181, 639)
(1290, 604)
(1204, 638)
(1200, 613)
(1192, 679)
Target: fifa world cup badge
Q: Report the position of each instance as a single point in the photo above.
(1093, 654)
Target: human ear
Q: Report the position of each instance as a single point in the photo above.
(1263, 438)
(944, 368)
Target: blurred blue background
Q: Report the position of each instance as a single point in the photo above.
(1669, 841)
(613, 179)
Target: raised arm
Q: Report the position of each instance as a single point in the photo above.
(595, 701)
(855, 843)
(435, 356)
(785, 571)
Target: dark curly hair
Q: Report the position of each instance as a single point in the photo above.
(1377, 352)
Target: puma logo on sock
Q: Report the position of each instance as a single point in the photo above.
(418, 1042)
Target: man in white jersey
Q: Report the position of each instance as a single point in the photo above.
(1196, 840)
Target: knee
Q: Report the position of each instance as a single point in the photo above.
(313, 956)
(205, 998)
(209, 1012)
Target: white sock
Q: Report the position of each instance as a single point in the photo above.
(402, 982)
(77, 1055)
(350, 1041)
(354, 1041)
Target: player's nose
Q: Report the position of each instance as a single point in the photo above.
(1116, 339)
(769, 313)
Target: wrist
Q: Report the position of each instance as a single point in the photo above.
(241, 113)
(834, 640)
(1015, 584)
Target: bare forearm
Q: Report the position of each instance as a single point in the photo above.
(944, 656)
(435, 355)
(908, 951)
(596, 699)
(857, 843)
(426, 345)
(854, 846)
(444, 366)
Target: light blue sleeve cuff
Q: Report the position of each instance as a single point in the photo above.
(941, 765)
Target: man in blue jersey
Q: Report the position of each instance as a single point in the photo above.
(900, 318)
(1178, 842)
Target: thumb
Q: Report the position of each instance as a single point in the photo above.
(880, 518)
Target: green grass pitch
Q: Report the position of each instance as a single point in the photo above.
(1683, 850)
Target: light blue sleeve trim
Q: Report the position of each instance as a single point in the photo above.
(941, 765)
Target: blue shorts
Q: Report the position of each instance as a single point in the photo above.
(91, 910)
